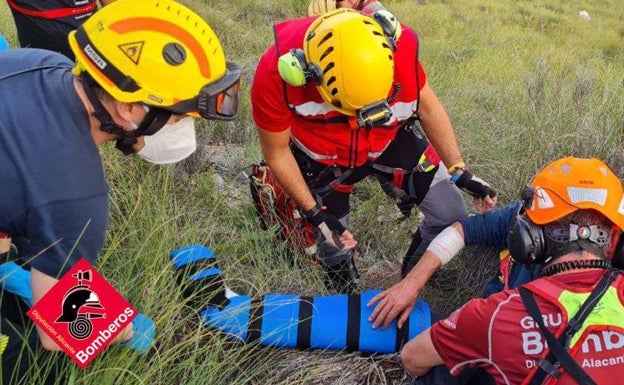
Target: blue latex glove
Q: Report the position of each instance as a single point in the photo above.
(16, 280)
(4, 44)
(143, 336)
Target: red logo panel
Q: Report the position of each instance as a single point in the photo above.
(83, 313)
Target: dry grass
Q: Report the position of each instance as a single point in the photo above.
(523, 82)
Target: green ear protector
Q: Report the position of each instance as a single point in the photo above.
(294, 69)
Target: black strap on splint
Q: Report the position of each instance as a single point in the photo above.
(205, 291)
(353, 322)
(304, 328)
(402, 336)
(254, 329)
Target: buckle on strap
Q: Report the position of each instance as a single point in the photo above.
(549, 368)
(428, 160)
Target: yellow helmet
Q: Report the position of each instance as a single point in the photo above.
(159, 53)
(570, 184)
(355, 57)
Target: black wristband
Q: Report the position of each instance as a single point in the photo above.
(308, 214)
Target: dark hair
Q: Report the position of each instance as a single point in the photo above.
(99, 92)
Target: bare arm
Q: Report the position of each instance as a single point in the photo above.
(277, 153)
(419, 355)
(40, 283)
(398, 300)
(437, 125)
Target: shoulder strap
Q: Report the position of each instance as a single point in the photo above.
(559, 347)
(575, 324)
(556, 349)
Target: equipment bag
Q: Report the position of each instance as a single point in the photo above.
(275, 208)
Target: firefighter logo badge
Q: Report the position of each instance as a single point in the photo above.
(82, 313)
(81, 305)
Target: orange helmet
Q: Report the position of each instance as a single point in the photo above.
(570, 184)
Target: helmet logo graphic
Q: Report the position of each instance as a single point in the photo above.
(80, 305)
(543, 199)
(132, 50)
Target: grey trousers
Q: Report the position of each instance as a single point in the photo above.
(441, 204)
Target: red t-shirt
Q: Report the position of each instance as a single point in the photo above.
(500, 336)
(277, 106)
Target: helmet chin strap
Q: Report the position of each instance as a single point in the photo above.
(155, 119)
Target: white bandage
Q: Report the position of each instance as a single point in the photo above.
(447, 244)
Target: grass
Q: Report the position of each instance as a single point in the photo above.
(525, 82)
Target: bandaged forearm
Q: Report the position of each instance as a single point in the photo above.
(447, 244)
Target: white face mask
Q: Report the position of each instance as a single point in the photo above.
(171, 144)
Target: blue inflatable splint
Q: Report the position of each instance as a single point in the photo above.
(336, 322)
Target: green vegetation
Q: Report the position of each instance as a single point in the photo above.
(524, 82)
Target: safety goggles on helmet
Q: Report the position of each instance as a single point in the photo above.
(217, 100)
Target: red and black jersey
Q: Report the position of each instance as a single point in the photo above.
(499, 335)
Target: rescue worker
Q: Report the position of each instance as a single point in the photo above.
(144, 70)
(339, 97)
(405, 204)
(46, 24)
(562, 328)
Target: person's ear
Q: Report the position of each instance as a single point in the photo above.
(126, 111)
(131, 112)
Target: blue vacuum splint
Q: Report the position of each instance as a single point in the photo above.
(335, 322)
